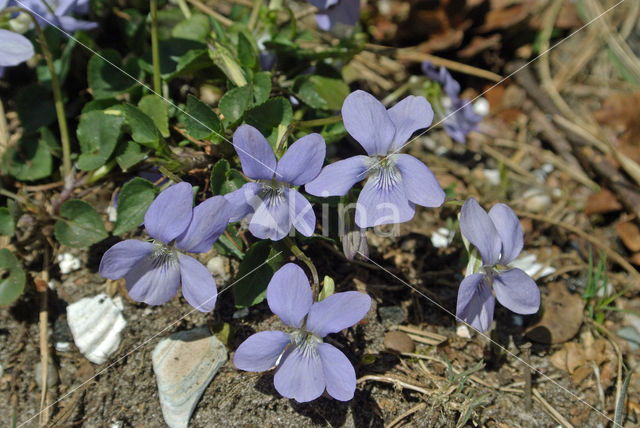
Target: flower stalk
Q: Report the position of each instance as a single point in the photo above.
(300, 255)
(155, 50)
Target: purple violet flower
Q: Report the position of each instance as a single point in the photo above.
(306, 366)
(396, 182)
(271, 201)
(332, 12)
(457, 113)
(498, 238)
(154, 270)
(58, 13)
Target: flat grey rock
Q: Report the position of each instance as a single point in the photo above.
(184, 364)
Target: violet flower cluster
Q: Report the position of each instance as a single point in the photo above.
(396, 182)
(333, 12)
(457, 113)
(305, 364)
(498, 238)
(154, 270)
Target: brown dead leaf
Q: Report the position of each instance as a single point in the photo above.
(498, 19)
(562, 316)
(602, 202)
(629, 233)
(479, 44)
(635, 259)
(621, 112)
(579, 359)
(567, 18)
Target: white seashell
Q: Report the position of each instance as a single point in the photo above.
(96, 323)
(184, 364)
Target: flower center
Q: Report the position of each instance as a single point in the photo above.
(307, 342)
(272, 191)
(384, 171)
(164, 255)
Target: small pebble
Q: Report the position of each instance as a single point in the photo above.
(52, 375)
(392, 316)
(492, 175)
(68, 263)
(112, 213)
(63, 346)
(240, 313)
(442, 237)
(216, 265)
(398, 341)
(463, 331)
(536, 200)
(481, 107)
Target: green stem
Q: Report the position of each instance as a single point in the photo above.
(255, 12)
(155, 51)
(318, 122)
(57, 96)
(297, 252)
(184, 7)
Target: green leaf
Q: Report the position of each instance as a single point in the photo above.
(143, 130)
(246, 52)
(102, 104)
(328, 288)
(255, 271)
(158, 110)
(171, 51)
(7, 223)
(271, 117)
(261, 87)
(13, 278)
(128, 154)
(81, 225)
(106, 78)
(133, 202)
(320, 92)
(219, 176)
(30, 159)
(35, 107)
(225, 179)
(98, 135)
(195, 28)
(201, 121)
(229, 245)
(234, 103)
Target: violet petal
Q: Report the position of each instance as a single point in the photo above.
(475, 302)
(408, 116)
(478, 228)
(289, 294)
(302, 161)
(271, 219)
(337, 312)
(118, 260)
(260, 351)
(170, 213)
(510, 231)
(300, 376)
(198, 285)
(209, 220)
(255, 153)
(337, 178)
(368, 122)
(517, 291)
(153, 283)
(339, 374)
(383, 201)
(420, 185)
(243, 201)
(301, 213)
